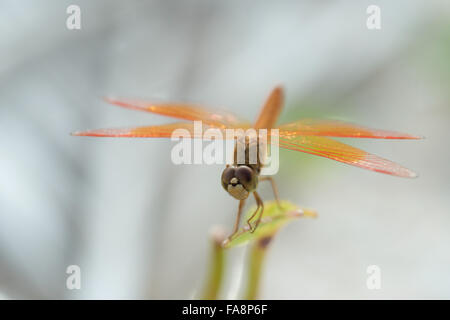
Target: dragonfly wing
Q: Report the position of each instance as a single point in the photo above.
(271, 110)
(336, 128)
(159, 131)
(341, 152)
(217, 118)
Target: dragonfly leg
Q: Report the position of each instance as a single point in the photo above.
(260, 208)
(274, 188)
(254, 213)
(238, 218)
(260, 205)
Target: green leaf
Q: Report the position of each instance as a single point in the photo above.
(272, 220)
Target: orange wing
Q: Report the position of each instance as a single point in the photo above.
(159, 131)
(336, 128)
(216, 118)
(341, 152)
(320, 146)
(271, 110)
(162, 131)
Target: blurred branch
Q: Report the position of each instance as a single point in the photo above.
(217, 266)
(257, 254)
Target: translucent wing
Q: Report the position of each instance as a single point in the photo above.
(271, 110)
(160, 131)
(217, 118)
(341, 152)
(320, 146)
(336, 128)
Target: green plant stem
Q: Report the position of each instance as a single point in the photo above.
(257, 255)
(216, 269)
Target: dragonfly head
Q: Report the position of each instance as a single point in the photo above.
(239, 181)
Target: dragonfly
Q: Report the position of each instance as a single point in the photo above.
(240, 180)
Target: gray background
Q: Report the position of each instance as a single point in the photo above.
(138, 225)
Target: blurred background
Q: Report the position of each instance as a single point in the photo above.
(138, 225)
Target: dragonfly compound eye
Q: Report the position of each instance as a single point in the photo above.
(245, 176)
(227, 175)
